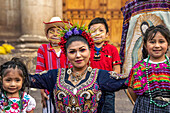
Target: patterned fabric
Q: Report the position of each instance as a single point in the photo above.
(159, 78)
(14, 104)
(108, 58)
(82, 98)
(142, 105)
(77, 99)
(136, 7)
(47, 59)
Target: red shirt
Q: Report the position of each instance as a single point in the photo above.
(108, 58)
(47, 59)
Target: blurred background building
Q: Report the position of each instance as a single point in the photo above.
(21, 21)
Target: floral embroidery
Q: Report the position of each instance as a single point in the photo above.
(15, 106)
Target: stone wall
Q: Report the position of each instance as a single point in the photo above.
(28, 58)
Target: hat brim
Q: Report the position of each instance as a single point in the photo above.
(56, 23)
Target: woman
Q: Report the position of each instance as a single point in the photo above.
(77, 89)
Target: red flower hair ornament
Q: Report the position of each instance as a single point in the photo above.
(73, 31)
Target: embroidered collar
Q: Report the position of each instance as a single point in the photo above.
(85, 83)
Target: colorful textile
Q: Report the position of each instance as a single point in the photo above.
(47, 59)
(83, 97)
(131, 12)
(142, 105)
(28, 104)
(109, 57)
(159, 78)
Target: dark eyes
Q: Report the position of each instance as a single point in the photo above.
(18, 80)
(82, 50)
(162, 41)
(101, 30)
(152, 41)
(51, 31)
(73, 51)
(8, 80)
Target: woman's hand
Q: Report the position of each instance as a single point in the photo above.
(44, 97)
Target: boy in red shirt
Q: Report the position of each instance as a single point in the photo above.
(104, 56)
(50, 56)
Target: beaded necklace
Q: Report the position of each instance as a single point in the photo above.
(78, 76)
(20, 104)
(151, 100)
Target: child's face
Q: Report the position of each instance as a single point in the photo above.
(99, 29)
(157, 47)
(12, 81)
(52, 35)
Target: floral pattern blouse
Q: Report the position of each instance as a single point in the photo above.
(13, 106)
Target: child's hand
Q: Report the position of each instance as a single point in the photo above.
(44, 97)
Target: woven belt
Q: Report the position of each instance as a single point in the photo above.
(163, 99)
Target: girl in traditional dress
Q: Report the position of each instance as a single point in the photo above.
(77, 89)
(149, 79)
(13, 79)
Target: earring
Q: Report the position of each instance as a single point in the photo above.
(69, 70)
(89, 68)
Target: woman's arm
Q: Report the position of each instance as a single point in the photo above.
(108, 83)
(44, 80)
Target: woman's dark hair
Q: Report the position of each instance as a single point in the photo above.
(75, 38)
(150, 34)
(15, 63)
(97, 21)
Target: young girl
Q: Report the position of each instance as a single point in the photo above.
(149, 79)
(13, 79)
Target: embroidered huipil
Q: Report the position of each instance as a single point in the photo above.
(159, 78)
(28, 104)
(108, 58)
(82, 98)
(47, 59)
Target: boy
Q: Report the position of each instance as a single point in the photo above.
(104, 56)
(50, 56)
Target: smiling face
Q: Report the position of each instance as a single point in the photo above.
(157, 47)
(52, 36)
(78, 54)
(12, 81)
(99, 29)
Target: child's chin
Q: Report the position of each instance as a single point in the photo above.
(98, 41)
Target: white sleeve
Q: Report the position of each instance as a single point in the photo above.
(31, 104)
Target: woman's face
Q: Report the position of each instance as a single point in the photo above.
(78, 54)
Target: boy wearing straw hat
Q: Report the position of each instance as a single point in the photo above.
(50, 56)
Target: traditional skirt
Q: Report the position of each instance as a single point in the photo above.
(143, 105)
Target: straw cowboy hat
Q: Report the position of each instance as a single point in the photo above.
(56, 21)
